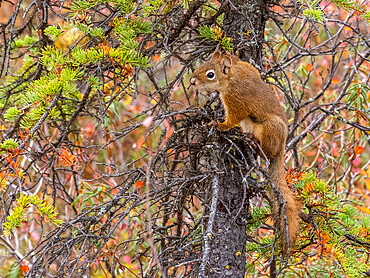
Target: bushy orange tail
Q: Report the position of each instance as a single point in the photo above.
(285, 206)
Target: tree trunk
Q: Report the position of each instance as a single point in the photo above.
(228, 246)
(225, 238)
(244, 22)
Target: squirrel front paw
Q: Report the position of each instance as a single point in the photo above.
(222, 126)
(211, 124)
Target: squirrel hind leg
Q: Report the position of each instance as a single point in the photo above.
(272, 134)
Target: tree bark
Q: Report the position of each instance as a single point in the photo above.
(225, 237)
(244, 22)
(228, 256)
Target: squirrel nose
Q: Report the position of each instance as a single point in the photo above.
(193, 81)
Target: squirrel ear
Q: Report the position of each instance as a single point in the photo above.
(217, 54)
(226, 64)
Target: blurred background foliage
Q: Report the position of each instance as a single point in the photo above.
(95, 115)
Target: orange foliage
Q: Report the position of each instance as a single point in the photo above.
(25, 268)
(139, 184)
(66, 158)
(293, 176)
(359, 150)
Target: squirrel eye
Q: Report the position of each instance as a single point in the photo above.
(210, 74)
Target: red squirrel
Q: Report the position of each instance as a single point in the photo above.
(248, 100)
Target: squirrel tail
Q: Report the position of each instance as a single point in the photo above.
(285, 206)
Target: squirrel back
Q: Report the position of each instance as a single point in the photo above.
(248, 100)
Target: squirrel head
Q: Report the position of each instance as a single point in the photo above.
(214, 74)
